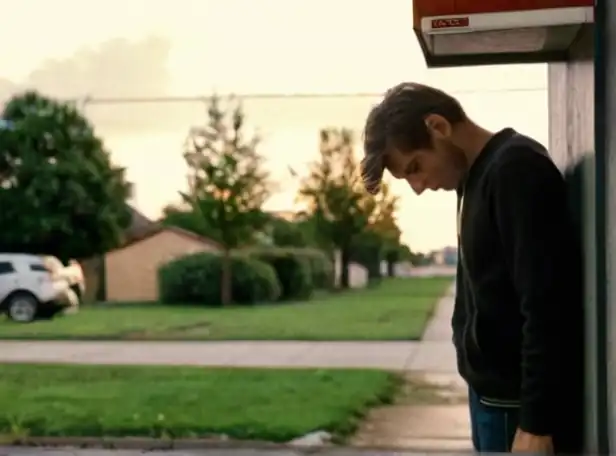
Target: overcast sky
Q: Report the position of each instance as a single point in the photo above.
(190, 47)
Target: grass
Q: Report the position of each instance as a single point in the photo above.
(171, 402)
(398, 309)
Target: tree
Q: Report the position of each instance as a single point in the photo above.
(285, 233)
(404, 252)
(381, 237)
(189, 220)
(367, 250)
(420, 259)
(384, 224)
(59, 192)
(227, 184)
(335, 197)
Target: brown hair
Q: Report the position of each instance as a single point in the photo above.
(398, 121)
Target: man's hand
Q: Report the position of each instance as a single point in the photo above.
(523, 442)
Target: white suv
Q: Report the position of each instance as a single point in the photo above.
(34, 286)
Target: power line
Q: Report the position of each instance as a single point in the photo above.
(90, 100)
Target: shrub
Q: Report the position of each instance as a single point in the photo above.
(196, 279)
(321, 267)
(293, 271)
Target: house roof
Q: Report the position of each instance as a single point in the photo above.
(157, 229)
(285, 215)
(140, 225)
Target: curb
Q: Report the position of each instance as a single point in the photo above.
(141, 443)
(425, 446)
(152, 444)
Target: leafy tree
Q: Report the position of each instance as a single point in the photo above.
(227, 184)
(398, 254)
(381, 237)
(335, 197)
(421, 259)
(383, 219)
(384, 224)
(285, 233)
(308, 225)
(367, 250)
(404, 252)
(189, 220)
(59, 192)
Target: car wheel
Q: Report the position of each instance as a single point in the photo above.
(22, 307)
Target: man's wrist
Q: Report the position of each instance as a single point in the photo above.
(520, 429)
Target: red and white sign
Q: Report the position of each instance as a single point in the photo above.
(484, 28)
(450, 22)
(453, 8)
(509, 20)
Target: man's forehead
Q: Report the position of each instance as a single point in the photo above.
(394, 162)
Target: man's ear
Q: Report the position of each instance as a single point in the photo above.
(438, 126)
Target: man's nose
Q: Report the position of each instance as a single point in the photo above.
(417, 185)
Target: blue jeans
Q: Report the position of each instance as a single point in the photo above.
(492, 428)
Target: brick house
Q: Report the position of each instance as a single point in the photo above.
(94, 268)
(131, 271)
(145, 246)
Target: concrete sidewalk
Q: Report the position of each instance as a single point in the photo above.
(383, 355)
(436, 353)
(430, 356)
(399, 356)
(433, 354)
(442, 427)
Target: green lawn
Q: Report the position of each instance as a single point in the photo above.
(398, 309)
(267, 404)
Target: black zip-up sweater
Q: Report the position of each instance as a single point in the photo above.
(518, 319)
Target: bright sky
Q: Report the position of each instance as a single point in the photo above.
(273, 46)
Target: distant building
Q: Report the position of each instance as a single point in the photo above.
(447, 256)
(450, 255)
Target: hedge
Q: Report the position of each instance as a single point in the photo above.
(321, 267)
(292, 269)
(196, 279)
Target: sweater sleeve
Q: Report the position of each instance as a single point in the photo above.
(529, 203)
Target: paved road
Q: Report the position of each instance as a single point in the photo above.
(433, 354)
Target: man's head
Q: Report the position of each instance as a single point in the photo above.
(412, 133)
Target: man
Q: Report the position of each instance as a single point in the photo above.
(518, 319)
